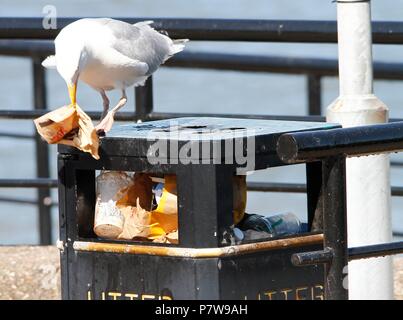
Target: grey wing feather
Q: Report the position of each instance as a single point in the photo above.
(141, 42)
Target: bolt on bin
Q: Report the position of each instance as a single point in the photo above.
(207, 260)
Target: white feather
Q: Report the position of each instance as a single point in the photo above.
(49, 62)
(108, 54)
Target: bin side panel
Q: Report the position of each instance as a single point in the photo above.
(63, 200)
(267, 275)
(270, 276)
(110, 276)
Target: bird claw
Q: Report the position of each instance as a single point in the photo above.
(105, 125)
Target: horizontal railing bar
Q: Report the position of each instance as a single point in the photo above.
(275, 64)
(396, 163)
(397, 191)
(376, 250)
(276, 187)
(18, 201)
(32, 114)
(26, 48)
(312, 257)
(24, 201)
(131, 116)
(15, 135)
(28, 183)
(364, 252)
(34, 202)
(224, 61)
(354, 141)
(194, 29)
(296, 188)
(170, 115)
(252, 186)
(387, 32)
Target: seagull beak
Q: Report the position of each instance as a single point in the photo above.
(72, 93)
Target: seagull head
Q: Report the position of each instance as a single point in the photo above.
(70, 60)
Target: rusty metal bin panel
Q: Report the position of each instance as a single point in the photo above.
(267, 275)
(117, 274)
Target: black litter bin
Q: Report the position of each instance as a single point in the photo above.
(205, 264)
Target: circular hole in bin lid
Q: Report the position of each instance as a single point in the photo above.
(195, 129)
(235, 129)
(192, 127)
(180, 128)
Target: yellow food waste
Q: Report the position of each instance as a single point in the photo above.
(168, 203)
(161, 224)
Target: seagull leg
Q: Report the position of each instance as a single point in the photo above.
(73, 94)
(105, 103)
(106, 124)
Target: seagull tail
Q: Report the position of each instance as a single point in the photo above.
(49, 62)
(143, 23)
(178, 45)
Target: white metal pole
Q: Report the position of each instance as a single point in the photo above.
(368, 181)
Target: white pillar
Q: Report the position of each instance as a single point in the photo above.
(368, 183)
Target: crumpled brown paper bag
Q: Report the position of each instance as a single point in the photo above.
(137, 222)
(71, 126)
(140, 189)
(135, 205)
(140, 221)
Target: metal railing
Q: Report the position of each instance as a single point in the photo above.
(330, 148)
(26, 37)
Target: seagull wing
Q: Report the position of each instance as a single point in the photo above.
(117, 60)
(125, 70)
(141, 42)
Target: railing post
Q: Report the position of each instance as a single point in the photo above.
(335, 226)
(144, 100)
(314, 95)
(314, 194)
(368, 182)
(42, 156)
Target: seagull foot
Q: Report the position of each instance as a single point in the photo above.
(105, 125)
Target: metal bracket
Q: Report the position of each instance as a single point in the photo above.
(313, 257)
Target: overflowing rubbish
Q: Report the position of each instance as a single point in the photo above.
(250, 234)
(168, 201)
(238, 234)
(124, 208)
(136, 222)
(239, 192)
(137, 206)
(110, 188)
(255, 226)
(71, 126)
(277, 225)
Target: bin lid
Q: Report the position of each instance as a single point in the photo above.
(202, 138)
(206, 128)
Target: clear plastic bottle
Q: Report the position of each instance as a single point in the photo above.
(278, 225)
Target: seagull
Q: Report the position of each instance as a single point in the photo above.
(109, 54)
